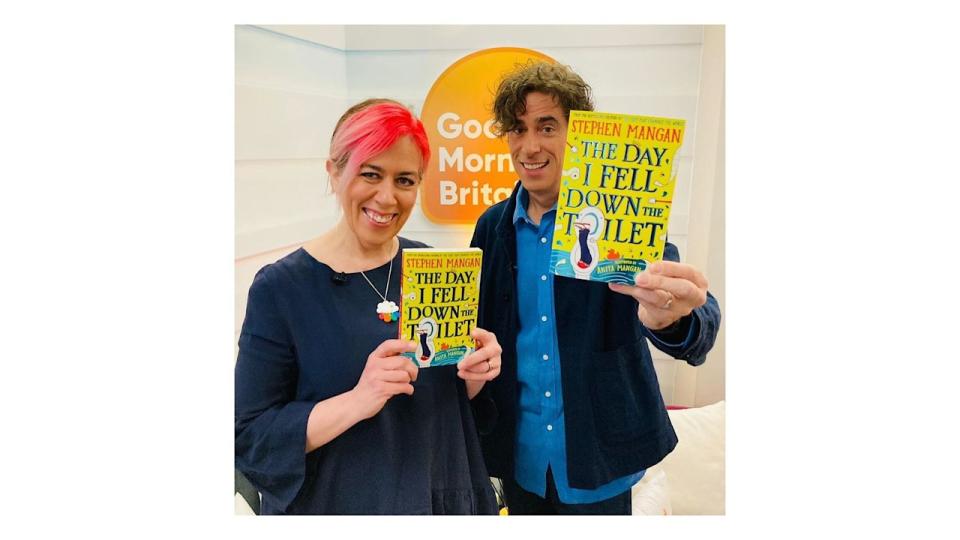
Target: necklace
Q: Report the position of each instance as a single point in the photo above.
(386, 311)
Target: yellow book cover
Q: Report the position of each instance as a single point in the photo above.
(615, 195)
(438, 304)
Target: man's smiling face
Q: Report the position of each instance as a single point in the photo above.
(537, 143)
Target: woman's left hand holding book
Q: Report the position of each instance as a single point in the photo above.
(481, 365)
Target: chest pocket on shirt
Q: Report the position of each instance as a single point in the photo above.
(626, 395)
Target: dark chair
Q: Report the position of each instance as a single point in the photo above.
(247, 491)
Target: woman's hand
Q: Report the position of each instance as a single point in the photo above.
(481, 365)
(385, 375)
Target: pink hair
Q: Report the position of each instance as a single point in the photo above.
(372, 130)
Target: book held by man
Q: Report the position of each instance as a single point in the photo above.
(615, 195)
(438, 304)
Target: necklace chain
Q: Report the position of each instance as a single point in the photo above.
(386, 290)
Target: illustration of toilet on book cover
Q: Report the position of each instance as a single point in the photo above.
(438, 303)
(615, 195)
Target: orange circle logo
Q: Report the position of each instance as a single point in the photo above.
(470, 168)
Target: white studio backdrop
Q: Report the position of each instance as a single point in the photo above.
(294, 82)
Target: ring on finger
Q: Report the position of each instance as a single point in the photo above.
(668, 303)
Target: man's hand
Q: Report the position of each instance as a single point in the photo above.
(666, 291)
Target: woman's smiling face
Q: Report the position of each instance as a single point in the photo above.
(378, 201)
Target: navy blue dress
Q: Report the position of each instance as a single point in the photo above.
(306, 338)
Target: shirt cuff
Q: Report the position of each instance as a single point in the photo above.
(680, 334)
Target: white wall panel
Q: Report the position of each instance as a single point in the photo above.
(658, 70)
(433, 37)
(280, 202)
(403, 75)
(290, 91)
(710, 181)
(330, 36)
(289, 188)
(282, 124)
(265, 58)
(293, 189)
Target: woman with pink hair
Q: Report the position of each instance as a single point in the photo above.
(330, 418)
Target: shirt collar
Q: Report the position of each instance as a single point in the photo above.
(520, 213)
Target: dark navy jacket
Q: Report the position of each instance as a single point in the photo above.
(616, 422)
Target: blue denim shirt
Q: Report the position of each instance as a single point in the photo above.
(540, 422)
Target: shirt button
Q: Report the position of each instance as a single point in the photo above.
(543, 277)
(549, 427)
(546, 357)
(543, 240)
(543, 318)
(547, 393)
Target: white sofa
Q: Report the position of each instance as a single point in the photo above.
(691, 480)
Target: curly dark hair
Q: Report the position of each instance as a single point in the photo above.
(559, 81)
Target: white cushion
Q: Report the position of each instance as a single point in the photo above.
(241, 508)
(651, 495)
(696, 467)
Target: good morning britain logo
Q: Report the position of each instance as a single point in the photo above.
(470, 168)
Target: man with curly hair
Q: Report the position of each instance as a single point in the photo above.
(576, 416)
